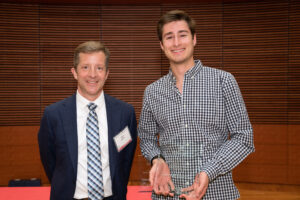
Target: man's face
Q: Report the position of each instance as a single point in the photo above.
(91, 74)
(178, 42)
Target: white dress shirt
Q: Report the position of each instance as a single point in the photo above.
(81, 190)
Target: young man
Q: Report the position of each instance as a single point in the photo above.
(87, 141)
(199, 115)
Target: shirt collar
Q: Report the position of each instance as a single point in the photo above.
(194, 70)
(83, 102)
(190, 73)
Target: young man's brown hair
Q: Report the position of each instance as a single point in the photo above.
(175, 15)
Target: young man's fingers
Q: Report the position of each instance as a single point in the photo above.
(190, 196)
(166, 189)
(151, 178)
(188, 189)
(155, 188)
(171, 184)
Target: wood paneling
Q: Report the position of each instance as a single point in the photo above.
(268, 155)
(261, 173)
(19, 65)
(265, 134)
(293, 174)
(19, 154)
(250, 191)
(294, 155)
(276, 158)
(293, 135)
(257, 41)
(294, 60)
(18, 135)
(260, 67)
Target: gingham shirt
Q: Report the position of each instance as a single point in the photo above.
(206, 128)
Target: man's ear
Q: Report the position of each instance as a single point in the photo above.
(161, 46)
(195, 40)
(73, 70)
(107, 72)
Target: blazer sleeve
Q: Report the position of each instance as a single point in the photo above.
(46, 145)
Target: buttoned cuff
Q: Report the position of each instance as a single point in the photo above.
(212, 169)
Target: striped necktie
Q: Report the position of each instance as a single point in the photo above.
(94, 165)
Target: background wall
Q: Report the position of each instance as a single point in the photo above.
(257, 41)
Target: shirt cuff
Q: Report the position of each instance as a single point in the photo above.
(157, 156)
(150, 156)
(212, 169)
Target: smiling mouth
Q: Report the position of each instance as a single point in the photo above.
(177, 50)
(92, 82)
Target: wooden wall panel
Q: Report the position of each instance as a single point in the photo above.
(293, 174)
(294, 60)
(276, 156)
(269, 154)
(261, 173)
(271, 134)
(19, 154)
(257, 41)
(19, 65)
(293, 135)
(255, 50)
(294, 155)
(294, 164)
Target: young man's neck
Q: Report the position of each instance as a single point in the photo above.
(179, 70)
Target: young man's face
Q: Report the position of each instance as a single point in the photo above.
(91, 74)
(178, 42)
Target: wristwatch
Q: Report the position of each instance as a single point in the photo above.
(157, 156)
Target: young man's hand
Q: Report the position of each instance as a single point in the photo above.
(198, 189)
(160, 178)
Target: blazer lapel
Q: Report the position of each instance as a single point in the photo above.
(70, 126)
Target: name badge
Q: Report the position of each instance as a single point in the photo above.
(122, 139)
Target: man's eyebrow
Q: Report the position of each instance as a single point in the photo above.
(170, 33)
(183, 31)
(166, 34)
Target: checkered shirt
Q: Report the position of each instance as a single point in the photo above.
(206, 128)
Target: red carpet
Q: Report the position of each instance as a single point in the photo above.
(43, 193)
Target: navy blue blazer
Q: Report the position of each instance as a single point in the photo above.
(58, 145)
